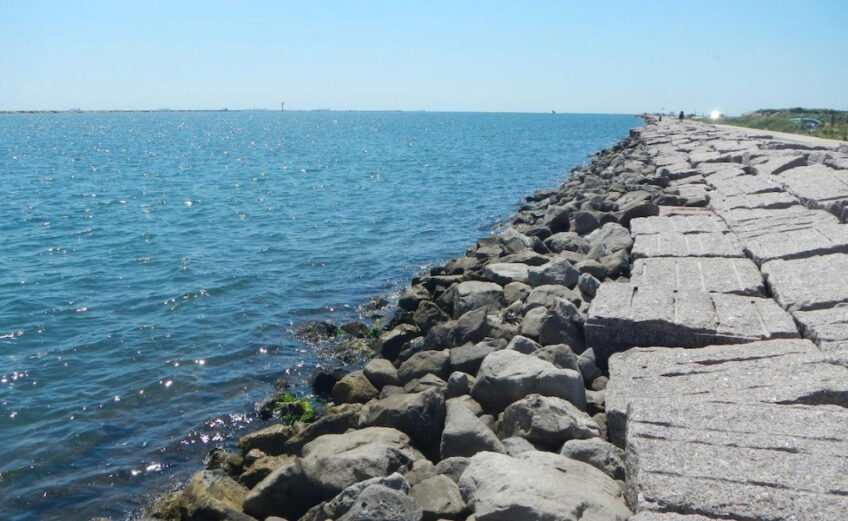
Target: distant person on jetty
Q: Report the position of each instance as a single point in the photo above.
(680, 116)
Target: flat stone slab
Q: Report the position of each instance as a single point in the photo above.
(625, 315)
(777, 163)
(828, 328)
(766, 200)
(744, 185)
(676, 244)
(682, 461)
(810, 283)
(734, 275)
(816, 183)
(746, 223)
(797, 244)
(702, 222)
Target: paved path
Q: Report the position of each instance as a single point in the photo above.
(751, 424)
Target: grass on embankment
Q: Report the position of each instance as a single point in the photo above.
(834, 123)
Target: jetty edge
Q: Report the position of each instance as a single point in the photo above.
(720, 254)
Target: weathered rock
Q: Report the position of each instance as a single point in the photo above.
(438, 497)
(558, 354)
(587, 364)
(390, 343)
(588, 284)
(515, 291)
(210, 495)
(523, 345)
(383, 503)
(808, 284)
(562, 325)
(567, 241)
(339, 505)
(473, 295)
(421, 470)
(425, 383)
(557, 271)
(504, 273)
(260, 469)
(327, 424)
(515, 445)
(285, 492)
(673, 244)
(531, 325)
(538, 487)
(465, 434)
(471, 327)
(584, 222)
(468, 357)
(591, 267)
(608, 239)
(380, 372)
(506, 376)
(323, 379)
(546, 296)
(714, 274)
(419, 415)
(452, 467)
(269, 440)
(425, 362)
(354, 388)
(333, 462)
(411, 298)
(546, 421)
(428, 315)
(601, 454)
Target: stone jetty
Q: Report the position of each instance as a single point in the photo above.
(662, 338)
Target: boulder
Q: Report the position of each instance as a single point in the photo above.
(591, 267)
(472, 295)
(383, 503)
(531, 324)
(390, 343)
(537, 486)
(323, 379)
(588, 284)
(439, 498)
(421, 470)
(471, 327)
(507, 376)
(558, 218)
(425, 362)
(515, 446)
(259, 469)
(468, 357)
(284, 492)
(452, 467)
(504, 273)
(380, 372)
(601, 454)
(588, 365)
(411, 298)
(212, 495)
(560, 355)
(333, 462)
(459, 383)
(331, 423)
(419, 415)
(608, 239)
(522, 344)
(567, 241)
(557, 271)
(425, 383)
(563, 324)
(354, 388)
(585, 221)
(428, 315)
(546, 295)
(342, 503)
(269, 440)
(465, 434)
(515, 291)
(546, 421)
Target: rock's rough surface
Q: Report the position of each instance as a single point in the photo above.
(502, 488)
(709, 274)
(465, 434)
(546, 421)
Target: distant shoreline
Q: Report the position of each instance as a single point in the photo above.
(135, 111)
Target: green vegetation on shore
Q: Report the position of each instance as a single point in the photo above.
(824, 123)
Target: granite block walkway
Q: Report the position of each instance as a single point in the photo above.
(728, 347)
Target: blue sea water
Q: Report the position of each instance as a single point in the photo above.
(153, 266)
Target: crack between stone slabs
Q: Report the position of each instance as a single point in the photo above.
(822, 397)
(726, 360)
(734, 445)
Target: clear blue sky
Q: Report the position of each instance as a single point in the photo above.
(534, 56)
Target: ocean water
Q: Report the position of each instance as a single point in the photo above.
(153, 266)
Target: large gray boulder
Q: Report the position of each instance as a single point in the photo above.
(536, 486)
(608, 239)
(504, 273)
(284, 492)
(468, 357)
(342, 503)
(546, 295)
(567, 241)
(419, 415)
(333, 462)
(507, 376)
(210, 495)
(465, 434)
(563, 325)
(601, 454)
(439, 498)
(354, 388)
(383, 503)
(470, 327)
(380, 372)
(390, 343)
(557, 271)
(428, 315)
(547, 421)
(474, 294)
(435, 362)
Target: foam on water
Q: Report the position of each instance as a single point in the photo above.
(153, 266)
